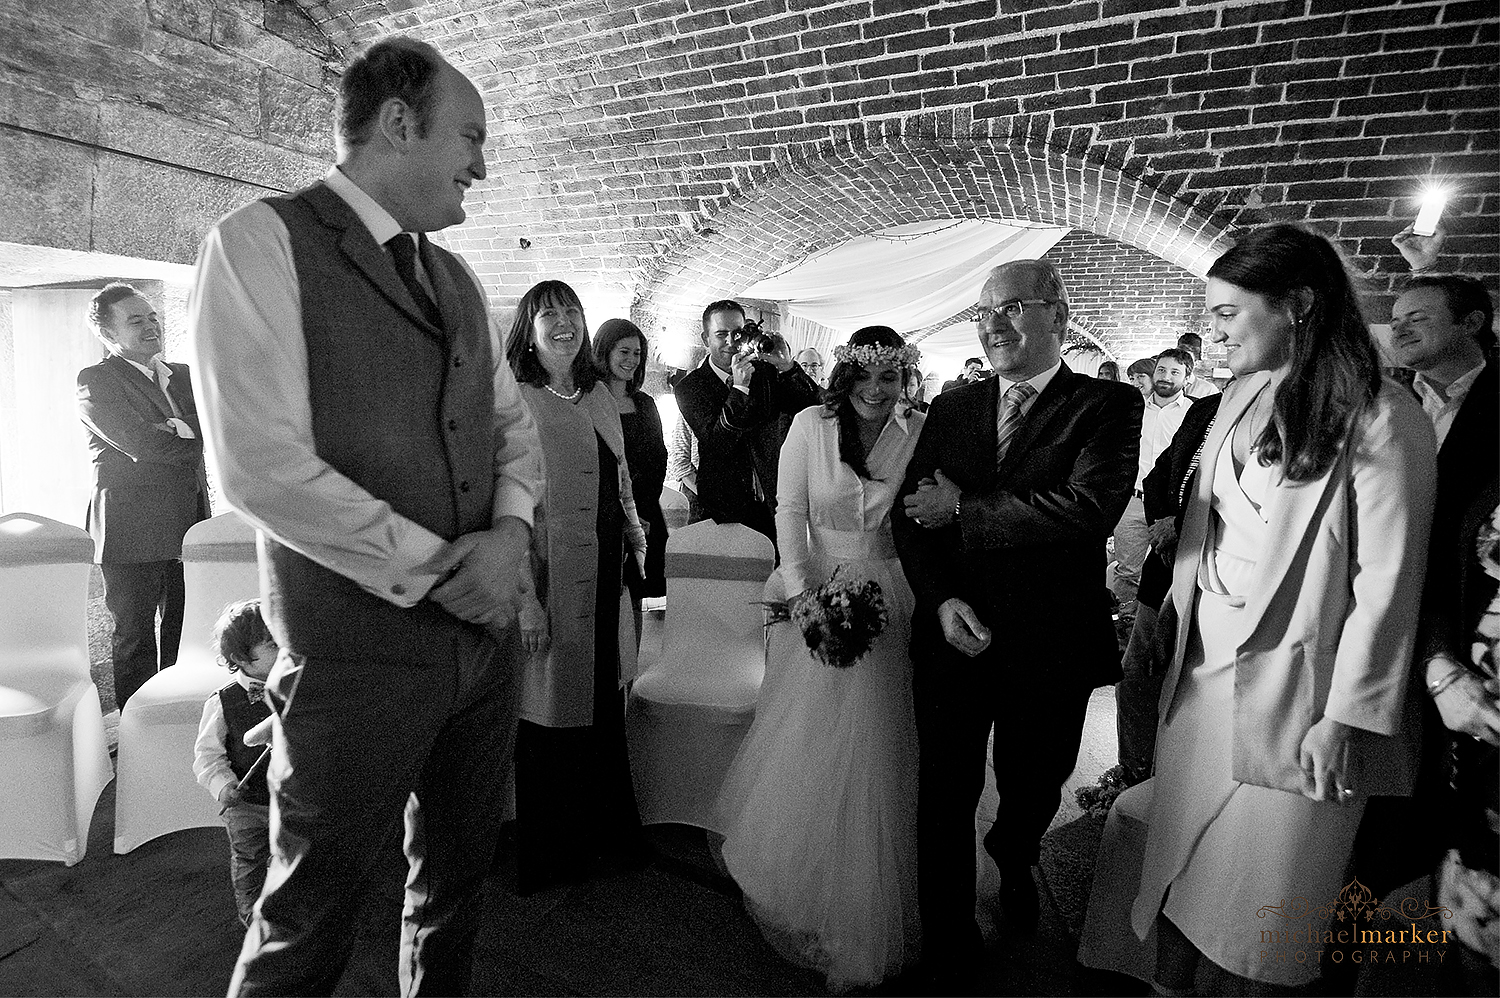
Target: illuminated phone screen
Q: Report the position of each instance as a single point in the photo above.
(1427, 218)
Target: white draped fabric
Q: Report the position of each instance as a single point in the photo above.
(908, 277)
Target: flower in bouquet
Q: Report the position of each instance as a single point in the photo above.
(839, 620)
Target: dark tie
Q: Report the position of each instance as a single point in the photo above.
(1010, 417)
(404, 252)
(255, 692)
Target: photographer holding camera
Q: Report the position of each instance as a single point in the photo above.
(733, 403)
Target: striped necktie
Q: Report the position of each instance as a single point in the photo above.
(1011, 417)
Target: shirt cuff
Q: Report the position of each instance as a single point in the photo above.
(216, 784)
(741, 388)
(513, 502)
(406, 586)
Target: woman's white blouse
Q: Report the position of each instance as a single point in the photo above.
(816, 490)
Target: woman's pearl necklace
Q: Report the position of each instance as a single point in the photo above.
(570, 397)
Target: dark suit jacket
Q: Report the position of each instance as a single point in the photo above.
(1454, 596)
(739, 434)
(148, 482)
(1165, 484)
(1025, 554)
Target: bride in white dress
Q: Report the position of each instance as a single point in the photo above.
(820, 803)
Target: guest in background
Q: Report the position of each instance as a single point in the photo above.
(620, 350)
(233, 773)
(733, 402)
(1466, 693)
(1442, 327)
(575, 806)
(149, 488)
(1286, 703)
(1139, 688)
(1198, 385)
(1141, 372)
(682, 466)
(916, 389)
(812, 362)
(1108, 371)
(973, 371)
(1165, 408)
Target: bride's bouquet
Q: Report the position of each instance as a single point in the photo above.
(840, 619)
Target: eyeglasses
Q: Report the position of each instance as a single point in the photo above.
(1013, 309)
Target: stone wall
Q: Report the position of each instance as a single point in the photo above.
(131, 125)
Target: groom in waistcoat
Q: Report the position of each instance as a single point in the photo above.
(1016, 482)
(359, 412)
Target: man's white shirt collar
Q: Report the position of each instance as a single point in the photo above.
(1457, 389)
(383, 227)
(151, 370)
(708, 363)
(1181, 401)
(1039, 382)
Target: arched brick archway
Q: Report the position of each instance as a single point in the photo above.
(819, 195)
(620, 123)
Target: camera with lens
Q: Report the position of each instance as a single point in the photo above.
(752, 339)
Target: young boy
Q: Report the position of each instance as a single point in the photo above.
(222, 759)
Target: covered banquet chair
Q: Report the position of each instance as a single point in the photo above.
(157, 793)
(689, 711)
(674, 508)
(54, 760)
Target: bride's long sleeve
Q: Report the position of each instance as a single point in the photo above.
(791, 501)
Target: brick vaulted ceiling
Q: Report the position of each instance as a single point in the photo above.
(677, 149)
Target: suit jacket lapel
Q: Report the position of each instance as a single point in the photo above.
(367, 256)
(147, 388)
(1048, 406)
(1237, 399)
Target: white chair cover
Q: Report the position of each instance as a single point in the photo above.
(689, 712)
(54, 759)
(157, 793)
(674, 508)
(1108, 942)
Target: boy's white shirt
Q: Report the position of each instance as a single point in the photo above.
(210, 757)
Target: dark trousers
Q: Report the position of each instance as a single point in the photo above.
(1038, 723)
(359, 744)
(1136, 697)
(134, 592)
(249, 827)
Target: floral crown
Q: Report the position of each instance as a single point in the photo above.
(870, 355)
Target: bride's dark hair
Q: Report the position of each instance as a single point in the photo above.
(836, 404)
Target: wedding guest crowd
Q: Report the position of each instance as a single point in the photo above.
(457, 537)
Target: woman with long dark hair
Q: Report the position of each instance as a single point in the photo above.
(819, 806)
(574, 802)
(620, 351)
(1296, 584)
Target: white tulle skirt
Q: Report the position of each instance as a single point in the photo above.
(820, 803)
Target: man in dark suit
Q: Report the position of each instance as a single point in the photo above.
(360, 412)
(1163, 492)
(1442, 327)
(1015, 484)
(149, 488)
(973, 371)
(733, 402)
